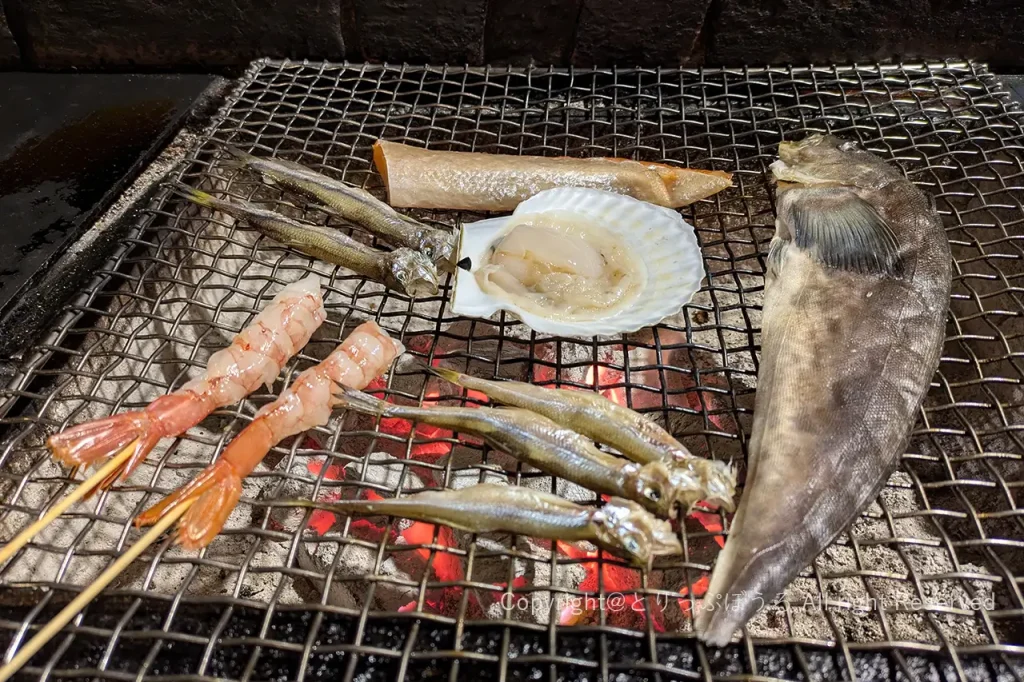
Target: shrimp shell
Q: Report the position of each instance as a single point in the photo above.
(255, 356)
(308, 402)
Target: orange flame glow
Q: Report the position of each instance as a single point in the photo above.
(322, 520)
(604, 376)
(713, 524)
(623, 606)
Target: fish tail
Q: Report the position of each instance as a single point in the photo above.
(198, 196)
(358, 401)
(433, 506)
(192, 194)
(449, 375)
(235, 158)
(272, 224)
(347, 507)
(271, 170)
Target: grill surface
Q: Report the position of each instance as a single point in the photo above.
(927, 586)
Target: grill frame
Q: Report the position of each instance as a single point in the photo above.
(712, 100)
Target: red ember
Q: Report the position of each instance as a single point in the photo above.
(322, 521)
(445, 566)
(713, 524)
(623, 606)
(605, 376)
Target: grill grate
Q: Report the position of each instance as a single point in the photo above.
(929, 581)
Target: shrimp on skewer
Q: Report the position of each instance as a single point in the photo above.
(254, 357)
(360, 358)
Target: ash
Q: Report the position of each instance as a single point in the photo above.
(868, 595)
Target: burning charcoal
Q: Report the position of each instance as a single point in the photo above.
(537, 573)
(351, 561)
(622, 605)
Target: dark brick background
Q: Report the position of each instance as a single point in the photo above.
(9, 55)
(172, 33)
(541, 31)
(419, 31)
(805, 31)
(157, 34)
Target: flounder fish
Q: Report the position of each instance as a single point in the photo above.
(856, 297)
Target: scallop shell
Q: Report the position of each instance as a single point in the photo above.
(663, 240)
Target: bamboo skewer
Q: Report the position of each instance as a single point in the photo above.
(78, 603)
(83, 490)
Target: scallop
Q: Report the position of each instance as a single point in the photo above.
(579, 262)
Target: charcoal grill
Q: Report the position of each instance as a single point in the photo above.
(928, 586)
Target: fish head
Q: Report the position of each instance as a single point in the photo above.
(687, 485)
(814, 160)
(814, 148)
(413, 273)
(660, 486)
(441, 248)
(627, 526)
(828, 160)
(720, 486)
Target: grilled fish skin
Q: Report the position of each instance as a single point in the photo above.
(856, 297)
(472, 181)
(541, 443)
(619, 526)
(355, 205)
(404, 270)
(634, 435)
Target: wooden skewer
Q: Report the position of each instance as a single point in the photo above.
(78, 603)
(83, 490)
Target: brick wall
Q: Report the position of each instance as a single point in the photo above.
(133, 34)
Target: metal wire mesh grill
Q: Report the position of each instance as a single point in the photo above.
(935, 567)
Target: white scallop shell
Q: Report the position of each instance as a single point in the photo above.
(659, 236)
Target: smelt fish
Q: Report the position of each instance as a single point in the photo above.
(357, 206)
(404, 270)
(620, 526)
(856, 296)
(425, 178)
(634, 435)
(541, 443)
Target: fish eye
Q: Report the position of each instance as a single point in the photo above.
(631, 545)
(652, 494)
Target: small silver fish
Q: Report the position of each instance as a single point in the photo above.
(355, 205)
(856, 296)
(404, 270)
(634, 435)
(536, 440)
(619, 526)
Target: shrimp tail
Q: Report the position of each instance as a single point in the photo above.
(216, 491)
(90, 442)
(358, 401)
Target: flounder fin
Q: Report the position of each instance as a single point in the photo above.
(844, 231)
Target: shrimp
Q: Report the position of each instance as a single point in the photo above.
(254, 357)
(308, 402)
